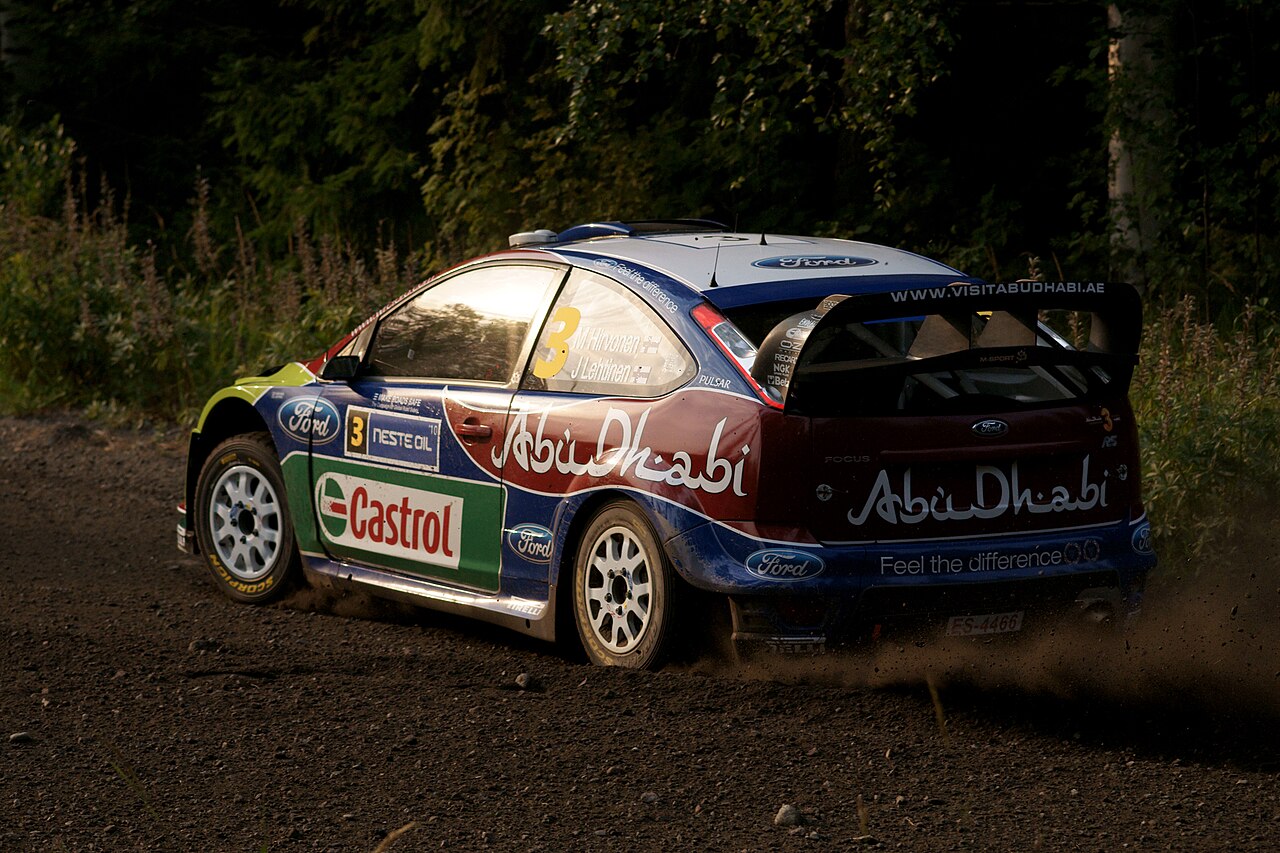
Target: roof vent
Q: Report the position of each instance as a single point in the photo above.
(531, 238)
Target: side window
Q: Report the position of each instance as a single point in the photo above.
(471, 326)
(602, 339)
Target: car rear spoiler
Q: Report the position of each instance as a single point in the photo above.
(943, 342)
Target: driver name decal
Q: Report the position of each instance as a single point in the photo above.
(382, 518)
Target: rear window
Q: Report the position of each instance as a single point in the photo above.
(962, 362)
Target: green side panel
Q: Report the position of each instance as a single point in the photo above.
(297, 486)
(480, 550)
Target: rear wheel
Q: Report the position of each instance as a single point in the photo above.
(242, 521)
(623, 589)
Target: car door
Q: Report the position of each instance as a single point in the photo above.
(399, 491)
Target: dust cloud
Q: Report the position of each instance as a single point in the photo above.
(1207, 641)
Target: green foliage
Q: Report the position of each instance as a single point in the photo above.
(328, 127)
(32, 167)
(1204, 118)
(1208, 405)
(89, 319)
(408, 133)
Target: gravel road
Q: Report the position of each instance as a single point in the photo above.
(139, 710)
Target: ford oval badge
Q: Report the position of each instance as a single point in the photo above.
(531, 541)
(990, 428)
(784, 564)
(812, 262)
(310, 418)
(1142, 540)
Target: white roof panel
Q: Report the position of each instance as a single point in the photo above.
(738, 259)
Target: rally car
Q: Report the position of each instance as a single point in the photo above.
(610, 426)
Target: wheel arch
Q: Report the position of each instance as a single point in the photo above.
(566, 631)
(229, 417)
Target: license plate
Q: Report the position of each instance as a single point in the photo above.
(985, 623)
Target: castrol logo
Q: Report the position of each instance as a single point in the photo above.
(383, 518)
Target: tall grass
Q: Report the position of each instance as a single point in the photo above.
(91, 320)
(1207, 400)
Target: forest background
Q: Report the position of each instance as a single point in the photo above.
(192, 189)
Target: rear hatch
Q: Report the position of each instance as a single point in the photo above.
(962, 411)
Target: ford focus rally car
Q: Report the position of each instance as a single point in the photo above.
(599, 427)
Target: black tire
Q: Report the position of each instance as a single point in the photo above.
(624, 591)
(242, 521)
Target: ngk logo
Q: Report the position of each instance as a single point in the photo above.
(388, 519)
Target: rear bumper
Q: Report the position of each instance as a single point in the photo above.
(851, 595)
(1086, 601)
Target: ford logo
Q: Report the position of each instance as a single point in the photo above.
(990, 428)
(1142, 540)
(531, 541)
(779, 564)
(812, 262)
(309, 419)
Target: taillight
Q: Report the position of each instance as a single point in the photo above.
(733, 344)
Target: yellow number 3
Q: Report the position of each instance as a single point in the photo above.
(568, 318)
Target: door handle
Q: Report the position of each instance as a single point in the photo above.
(473, 430)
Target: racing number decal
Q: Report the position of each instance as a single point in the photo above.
(355, 430)
(568, 318)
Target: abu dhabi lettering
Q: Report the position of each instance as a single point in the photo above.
(619, 448)
(996, 493)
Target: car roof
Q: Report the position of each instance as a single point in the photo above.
(733, 268)
(726, 259)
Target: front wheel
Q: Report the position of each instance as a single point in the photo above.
(623, 590)
(242, 522)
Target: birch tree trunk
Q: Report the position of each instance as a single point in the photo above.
(1140, 114)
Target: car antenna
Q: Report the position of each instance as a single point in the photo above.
(763, 242)
(715, 264)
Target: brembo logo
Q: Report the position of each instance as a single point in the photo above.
(812, 262)
(391, 520)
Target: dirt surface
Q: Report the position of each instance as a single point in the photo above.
(139, 710)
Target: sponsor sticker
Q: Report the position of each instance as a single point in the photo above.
(620, 446)
(388, 437)
(311, 419)
(1068, 554)
(997, 491)
(531, 541)
(784, 564)
(812, 262)
(1142, 539)
(383, 518)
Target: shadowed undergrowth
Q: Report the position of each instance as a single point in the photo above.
(90, 320)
